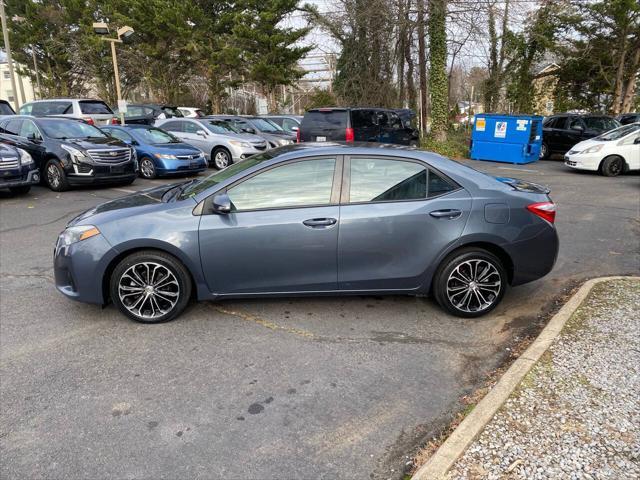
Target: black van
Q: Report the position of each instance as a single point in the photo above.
(362, 124)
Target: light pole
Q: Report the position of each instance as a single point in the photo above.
(124, 33)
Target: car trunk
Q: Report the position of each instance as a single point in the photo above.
(324, 125)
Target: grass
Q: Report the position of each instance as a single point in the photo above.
(456, 145)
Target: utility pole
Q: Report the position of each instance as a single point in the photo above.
(7, 48)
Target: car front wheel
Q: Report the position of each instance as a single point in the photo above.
(150, 287)
(470, 283)
(55, 177)
(612, 166)
(221, 158)
(544, 151)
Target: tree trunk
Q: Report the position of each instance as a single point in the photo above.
(422, 67)
(402, 41)
(490, 93)
(619, 80)
(627, 99)
(438, 68)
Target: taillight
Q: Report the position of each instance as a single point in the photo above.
(545, 210)
(89, 121)
(115, 121)
(349, 135)
(298, 135)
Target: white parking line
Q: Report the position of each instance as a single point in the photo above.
(125, 190)
(519, 169)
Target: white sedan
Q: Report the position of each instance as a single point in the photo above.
(612, 153)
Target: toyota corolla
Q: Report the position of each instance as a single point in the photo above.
(313, 219)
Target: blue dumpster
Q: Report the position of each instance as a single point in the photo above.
(506, 138)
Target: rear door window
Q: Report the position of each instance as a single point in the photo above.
(29, 129)
(172, 126)
(560, 122)
(190, 127)
(383, 180)
(363, 118)
(94, 107)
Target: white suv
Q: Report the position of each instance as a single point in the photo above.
(94, 112)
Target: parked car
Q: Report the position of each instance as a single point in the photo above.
(70, 152)
(18, 171)
(147, 114)
(612, 153)
(627, 118)
(271, 132)
(409, 222)
(94, 112)
(563, 131)
(191, 112)
(6, 108)
(219, 140)
(159, 153)
(289, 123)
(356, 124)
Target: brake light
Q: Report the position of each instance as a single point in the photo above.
(89, 121)
(298, 135)
(349, 135)
(545, 210)
(115, 121)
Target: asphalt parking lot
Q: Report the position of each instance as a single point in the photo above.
(261, 389)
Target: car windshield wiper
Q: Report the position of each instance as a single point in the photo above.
(174, 192)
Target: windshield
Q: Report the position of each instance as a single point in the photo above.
(62, 129)
(219, 126)
(155, 136)
(618, 133)
(266, 125)
(223, 175)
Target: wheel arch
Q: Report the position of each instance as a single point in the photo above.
(625, 165)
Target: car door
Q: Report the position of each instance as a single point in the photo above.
(574, 133)
(197, 135)
(630, 150)
(31, 140)
(396, 216)
(282, 232)
(558, 131)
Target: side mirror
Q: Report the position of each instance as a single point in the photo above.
(249, 130)
(221, 204)
(202, 133)
(578, 128)
(32, 137)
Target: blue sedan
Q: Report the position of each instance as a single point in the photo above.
(307, 219)
(159, 152)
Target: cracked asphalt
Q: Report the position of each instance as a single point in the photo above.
(261, 389)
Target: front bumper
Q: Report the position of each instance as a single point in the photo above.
(90, 173)
(583, 161)
(19, 178)
(240, 153)
(167, 167)
(79, 268)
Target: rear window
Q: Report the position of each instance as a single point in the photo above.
(600, 123)
(332, 119)
(94, 107)
(172, 112)
(49, 108)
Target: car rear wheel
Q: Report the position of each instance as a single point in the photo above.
(470, 283)
(147, 168)
(612, 166)
(150, 287)
(544, 151)
(20, 190)
(221, 158)
(55, 177)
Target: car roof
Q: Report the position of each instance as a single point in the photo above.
(67, 100)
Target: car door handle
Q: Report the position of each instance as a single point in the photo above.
(320, 222)
(449, 214)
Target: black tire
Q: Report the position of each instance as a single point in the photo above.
(612, 166)
(221, 158)
(147, 168)
(55, 181)
(460, 265)
(21, 190)
(130, 275)
(544, 151)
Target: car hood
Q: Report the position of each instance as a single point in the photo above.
(578, 147)
(248, 137)
(94, 142)
(134, 203)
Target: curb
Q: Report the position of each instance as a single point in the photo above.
(443, 459)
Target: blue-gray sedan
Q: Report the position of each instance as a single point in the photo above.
(313, 219)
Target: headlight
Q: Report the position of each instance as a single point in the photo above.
(239, 144)
(285, 142)
(77, 234)
(25, 157)
(76, 155)
(165, 156)
(594, 149)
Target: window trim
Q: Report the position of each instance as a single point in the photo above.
(334, 198)
(346, 180)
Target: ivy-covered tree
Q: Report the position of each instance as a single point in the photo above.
(438, 84)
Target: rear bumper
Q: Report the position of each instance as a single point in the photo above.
(20, 179)
(534, 257)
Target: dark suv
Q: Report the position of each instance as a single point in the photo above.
(70, 152)
(147, 114)
(627, 118)
(18, 171)
(357, 125)
(563, 131)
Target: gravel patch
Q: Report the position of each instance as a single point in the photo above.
(576, 415)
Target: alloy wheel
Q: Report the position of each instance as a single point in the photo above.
(148, 290)
(543, 151)
(53, 176)
(221, 159)
(474, 286)
(147, 168)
